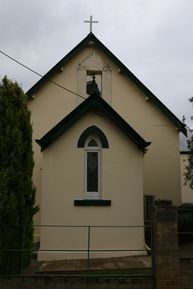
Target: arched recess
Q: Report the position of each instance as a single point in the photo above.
(94, 64)
(93, 130)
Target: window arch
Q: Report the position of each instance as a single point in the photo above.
(93, 130)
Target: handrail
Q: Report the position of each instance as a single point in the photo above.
(88, 249)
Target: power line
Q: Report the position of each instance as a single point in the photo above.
(35, 72)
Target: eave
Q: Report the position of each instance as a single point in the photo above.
(97, 104)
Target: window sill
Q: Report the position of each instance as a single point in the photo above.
(92, 203)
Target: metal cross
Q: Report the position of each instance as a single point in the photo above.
(91, 22)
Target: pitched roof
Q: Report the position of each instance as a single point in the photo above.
(92, 103)
(92, 40)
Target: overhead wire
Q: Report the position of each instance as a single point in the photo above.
(37, 73)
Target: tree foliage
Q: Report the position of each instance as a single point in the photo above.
(189, 168)
(17, 194)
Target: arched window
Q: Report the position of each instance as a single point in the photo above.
(92, 167)
(93, 140)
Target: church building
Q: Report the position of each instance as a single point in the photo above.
(105, 147)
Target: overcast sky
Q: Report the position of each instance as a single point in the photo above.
(153, 38)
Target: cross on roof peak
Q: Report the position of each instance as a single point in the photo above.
(91, 21)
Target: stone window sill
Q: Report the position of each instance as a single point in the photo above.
(92, 202)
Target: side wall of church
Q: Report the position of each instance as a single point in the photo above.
(162, 161)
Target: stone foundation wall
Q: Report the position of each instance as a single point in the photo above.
(186, 273)
(44, 282)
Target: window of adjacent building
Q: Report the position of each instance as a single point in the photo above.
(92, 167)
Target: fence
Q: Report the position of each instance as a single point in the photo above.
(169, 267)
(185, 224)
(123, 260)
(185, 236)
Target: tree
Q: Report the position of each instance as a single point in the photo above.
(17, 194)
(189, 168)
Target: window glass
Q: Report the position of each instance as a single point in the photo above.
(92, 143)
(92, 167)
(92, 171)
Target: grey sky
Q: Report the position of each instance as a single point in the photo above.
(153, 38)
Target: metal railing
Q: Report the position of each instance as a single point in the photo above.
(89, 250)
